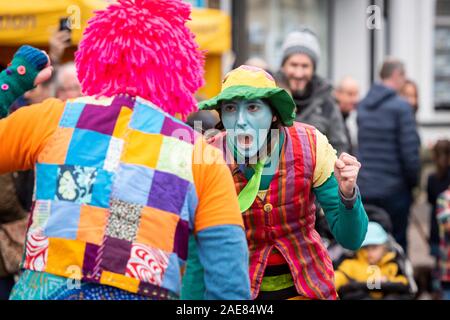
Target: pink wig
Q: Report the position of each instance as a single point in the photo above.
(142, 48)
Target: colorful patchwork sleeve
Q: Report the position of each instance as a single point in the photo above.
(347, 224)
(325, 159)
(24, 134)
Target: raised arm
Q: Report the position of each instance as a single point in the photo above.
(24, 133)
(28, 68)
(336, 190)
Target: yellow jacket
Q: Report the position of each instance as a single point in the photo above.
(359, 270)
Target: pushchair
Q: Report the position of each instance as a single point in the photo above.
(360, 291)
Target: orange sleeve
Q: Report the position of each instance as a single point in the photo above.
(218, 204)
(25, 132)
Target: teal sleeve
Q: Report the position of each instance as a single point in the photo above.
(19, 76)
(193, 285)
(221, 266)
(348, 224)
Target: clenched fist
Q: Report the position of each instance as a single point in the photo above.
(346, 171)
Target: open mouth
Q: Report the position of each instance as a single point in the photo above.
(245, 140)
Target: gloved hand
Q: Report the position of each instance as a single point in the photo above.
(28, 68)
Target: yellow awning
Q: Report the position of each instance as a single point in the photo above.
(33, 22)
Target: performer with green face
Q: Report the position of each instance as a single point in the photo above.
(279, 168)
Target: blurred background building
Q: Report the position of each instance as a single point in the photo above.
(352, 42)
(415, 31)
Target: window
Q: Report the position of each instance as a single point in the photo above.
(269, 21)
(442, 56)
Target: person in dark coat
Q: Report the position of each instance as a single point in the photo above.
(312, 94)
(389, 148)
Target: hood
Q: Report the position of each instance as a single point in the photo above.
(377, 94)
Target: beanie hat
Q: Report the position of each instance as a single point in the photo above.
(142, 48)
(375, 235)
(304, 41)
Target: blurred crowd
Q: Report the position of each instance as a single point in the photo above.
(378, 128)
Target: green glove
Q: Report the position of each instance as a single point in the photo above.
(19, 77)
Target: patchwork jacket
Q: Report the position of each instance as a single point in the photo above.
(119, 187)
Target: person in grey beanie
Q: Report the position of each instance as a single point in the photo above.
(312, 94)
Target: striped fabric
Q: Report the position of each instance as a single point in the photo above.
(114, 201)
(285, 219)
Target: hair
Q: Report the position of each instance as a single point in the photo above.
(142, 48)
(409, 82)
(389, 66)
(442, 150)
(66, 67)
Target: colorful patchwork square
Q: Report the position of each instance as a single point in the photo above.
(100, 119)
(46, 177)
(177, 130)
(142, 148)
(71, 115)
(55, 151)
(157, 229)
(90, 262)
(172, 276)
(65, 257)
(75, 183)
(124, 119)
(64, 220)
(120, 281)
(147, 264)
(123, 221)
(40, 216)
(168, 192)
(132, 183)
(116, 253)
(101, 192)
(92, 226)
(88, 148)
(113, 155)
(180, 246)
(36, 250)
(123, 101)
(146, 118)
(176, 158)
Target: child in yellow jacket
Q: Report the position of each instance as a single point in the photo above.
(372, 271)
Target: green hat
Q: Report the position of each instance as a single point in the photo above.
(251, 83)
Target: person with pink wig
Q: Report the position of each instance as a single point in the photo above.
(121, 183)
